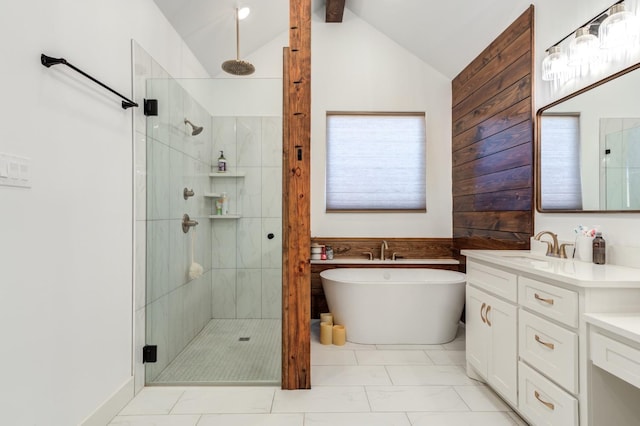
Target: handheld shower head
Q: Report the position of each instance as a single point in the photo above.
(196, 129)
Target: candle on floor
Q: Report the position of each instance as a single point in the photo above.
(326, 317)
(325, 333)
(339, 335)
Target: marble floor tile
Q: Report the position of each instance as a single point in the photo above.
(393, 357)
(348, 346)
(517, 419)
(410, 347)
(156, 420)
(414, 398)
(481, 398)
(153, 400)
(429, 375)
(321, 356)
(248, 400)
(356, 419)
(447, 357)
(252, 420)
(455, 345)
(349, 375)
(323, 399)
(461, 419)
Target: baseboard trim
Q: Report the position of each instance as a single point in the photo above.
(111, 406)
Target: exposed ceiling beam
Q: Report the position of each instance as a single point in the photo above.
(335, 10)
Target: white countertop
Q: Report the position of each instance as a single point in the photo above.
(625, 325)
(358, 261)
(570, 271)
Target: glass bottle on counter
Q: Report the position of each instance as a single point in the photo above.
(599, 249)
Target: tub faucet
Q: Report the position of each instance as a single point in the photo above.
(383, 247)
(552, 248)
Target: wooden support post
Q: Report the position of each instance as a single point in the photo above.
(296, 270)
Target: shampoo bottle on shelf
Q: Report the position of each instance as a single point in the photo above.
(222, 163)
(599, 249)
(224, 201)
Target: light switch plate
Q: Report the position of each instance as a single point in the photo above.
(15, 170)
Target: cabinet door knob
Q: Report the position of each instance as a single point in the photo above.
(484, 305)
(547, 344)
(548, 301)
(486, 315)
(549, 405)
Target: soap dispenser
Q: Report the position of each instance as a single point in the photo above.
(222, 163)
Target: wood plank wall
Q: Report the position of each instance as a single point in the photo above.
(296, 186)
(492, 123)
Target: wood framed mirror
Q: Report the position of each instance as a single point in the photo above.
(588, 148)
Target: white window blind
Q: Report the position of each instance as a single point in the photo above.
(560, 182)
(376, 162)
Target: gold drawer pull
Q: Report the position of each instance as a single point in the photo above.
(549, 301)
(486, 315)
(547, 404)
(484, 305)
(547, 344)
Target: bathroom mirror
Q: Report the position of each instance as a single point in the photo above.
(588, 148)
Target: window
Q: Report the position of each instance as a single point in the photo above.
(560, 183)
(376, 162)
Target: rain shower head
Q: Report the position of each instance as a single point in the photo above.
(238, 66)
(196, 129)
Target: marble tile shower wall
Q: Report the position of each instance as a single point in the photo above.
(247, 264)
(168, 159)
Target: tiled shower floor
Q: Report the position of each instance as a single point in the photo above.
(227, 352)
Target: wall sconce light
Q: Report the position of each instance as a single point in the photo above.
(612, 35)
(620, 32)
(555, 66)
(584, 51)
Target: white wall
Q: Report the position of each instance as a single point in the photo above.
(356, 68)
(66, 252)
(554, 20)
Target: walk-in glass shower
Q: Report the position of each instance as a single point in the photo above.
(214, 280)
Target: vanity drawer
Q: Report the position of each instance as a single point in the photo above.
(554, 302)
(550, 348)
(542, 402)
(493, 280)
(617, 358)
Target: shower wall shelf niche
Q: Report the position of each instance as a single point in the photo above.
(224, 216)
(218, 195)
(226, 174)
(218, 216)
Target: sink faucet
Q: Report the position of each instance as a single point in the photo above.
(383, 247)
(552, 248)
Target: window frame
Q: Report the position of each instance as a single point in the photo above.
(416, 114)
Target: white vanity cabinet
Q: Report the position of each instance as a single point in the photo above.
(492, 328)
(527, 336)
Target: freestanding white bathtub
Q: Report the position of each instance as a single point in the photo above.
(395, 305)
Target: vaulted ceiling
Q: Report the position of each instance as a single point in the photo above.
(445, 34)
